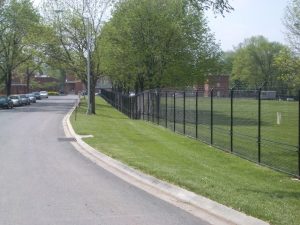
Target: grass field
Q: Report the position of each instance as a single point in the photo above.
(279, 139)
(220, 176)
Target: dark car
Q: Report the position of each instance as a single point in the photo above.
(6, 102)
(37, 95)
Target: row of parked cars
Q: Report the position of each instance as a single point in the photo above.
(19, 100)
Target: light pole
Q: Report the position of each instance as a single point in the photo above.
(88, 65)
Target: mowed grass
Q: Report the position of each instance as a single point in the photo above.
(279, 139)
(223, 177)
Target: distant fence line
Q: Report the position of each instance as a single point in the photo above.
(251, 124)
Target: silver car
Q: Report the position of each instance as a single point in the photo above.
(16, 99)
(31, 97)
(25, 100)
(44, 94)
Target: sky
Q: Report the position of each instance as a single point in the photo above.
(249, 18)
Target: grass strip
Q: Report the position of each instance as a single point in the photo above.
(222, 177)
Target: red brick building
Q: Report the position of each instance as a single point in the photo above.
(220, 84)
(73, 85)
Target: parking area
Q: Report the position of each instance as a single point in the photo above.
(21, 100)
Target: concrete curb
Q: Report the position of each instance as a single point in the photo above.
(197, 205)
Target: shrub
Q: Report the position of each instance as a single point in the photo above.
(53, 93)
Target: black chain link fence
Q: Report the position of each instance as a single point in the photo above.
(257, 125)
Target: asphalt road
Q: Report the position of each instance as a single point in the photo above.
(44, 180)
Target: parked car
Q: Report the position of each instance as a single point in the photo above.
(31, 97)
(44, 94)
(37, 95)
(6, 102)
(16, 99)
(25, 100)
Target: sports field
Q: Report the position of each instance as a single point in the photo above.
(278, 125)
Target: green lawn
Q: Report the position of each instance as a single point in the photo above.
(220, 176)
(279, 142)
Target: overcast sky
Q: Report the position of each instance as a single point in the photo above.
(250, 17)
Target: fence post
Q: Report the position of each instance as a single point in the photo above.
(166, 109)
(130, 108)
(231, 119)
(158, 106)
(299, 134)
(184, 112)
(196, 114)
(143, 105)
(121, 96)
(212, 116)
(259, 126)
(148, 104)
(136, 107)
(174, 113)
(119, 100)
(153, 111)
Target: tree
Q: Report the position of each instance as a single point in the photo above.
(253, 63)
(226, 62)
(288, 66)
(76, 19)
(218, 6)
(79, 16)
(150, 44)
(292, 23)
(19, 26)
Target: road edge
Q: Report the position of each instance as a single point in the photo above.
(204, 208)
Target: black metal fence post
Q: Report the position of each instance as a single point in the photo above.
(121, 101)
(231, 119)
(166, 109)
(299, 134)
(136, 107)
(259, 126)
(212, 116)
(153, 105)
(196, 114)
(184, 112)
(158, 106)
(174, 112)
(143, 105)
(148, 104)
(130, 107)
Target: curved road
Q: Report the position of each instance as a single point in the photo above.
(44, 180)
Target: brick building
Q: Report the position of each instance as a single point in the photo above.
(220, 84)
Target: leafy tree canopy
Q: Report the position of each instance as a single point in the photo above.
(254, 62)
(292, 23)
(152, 44)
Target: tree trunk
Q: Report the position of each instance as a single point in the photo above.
(27, 79)
(8, 83)
(92, 94)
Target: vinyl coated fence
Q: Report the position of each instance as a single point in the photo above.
(250, 124)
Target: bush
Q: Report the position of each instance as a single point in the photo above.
(53, 93)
